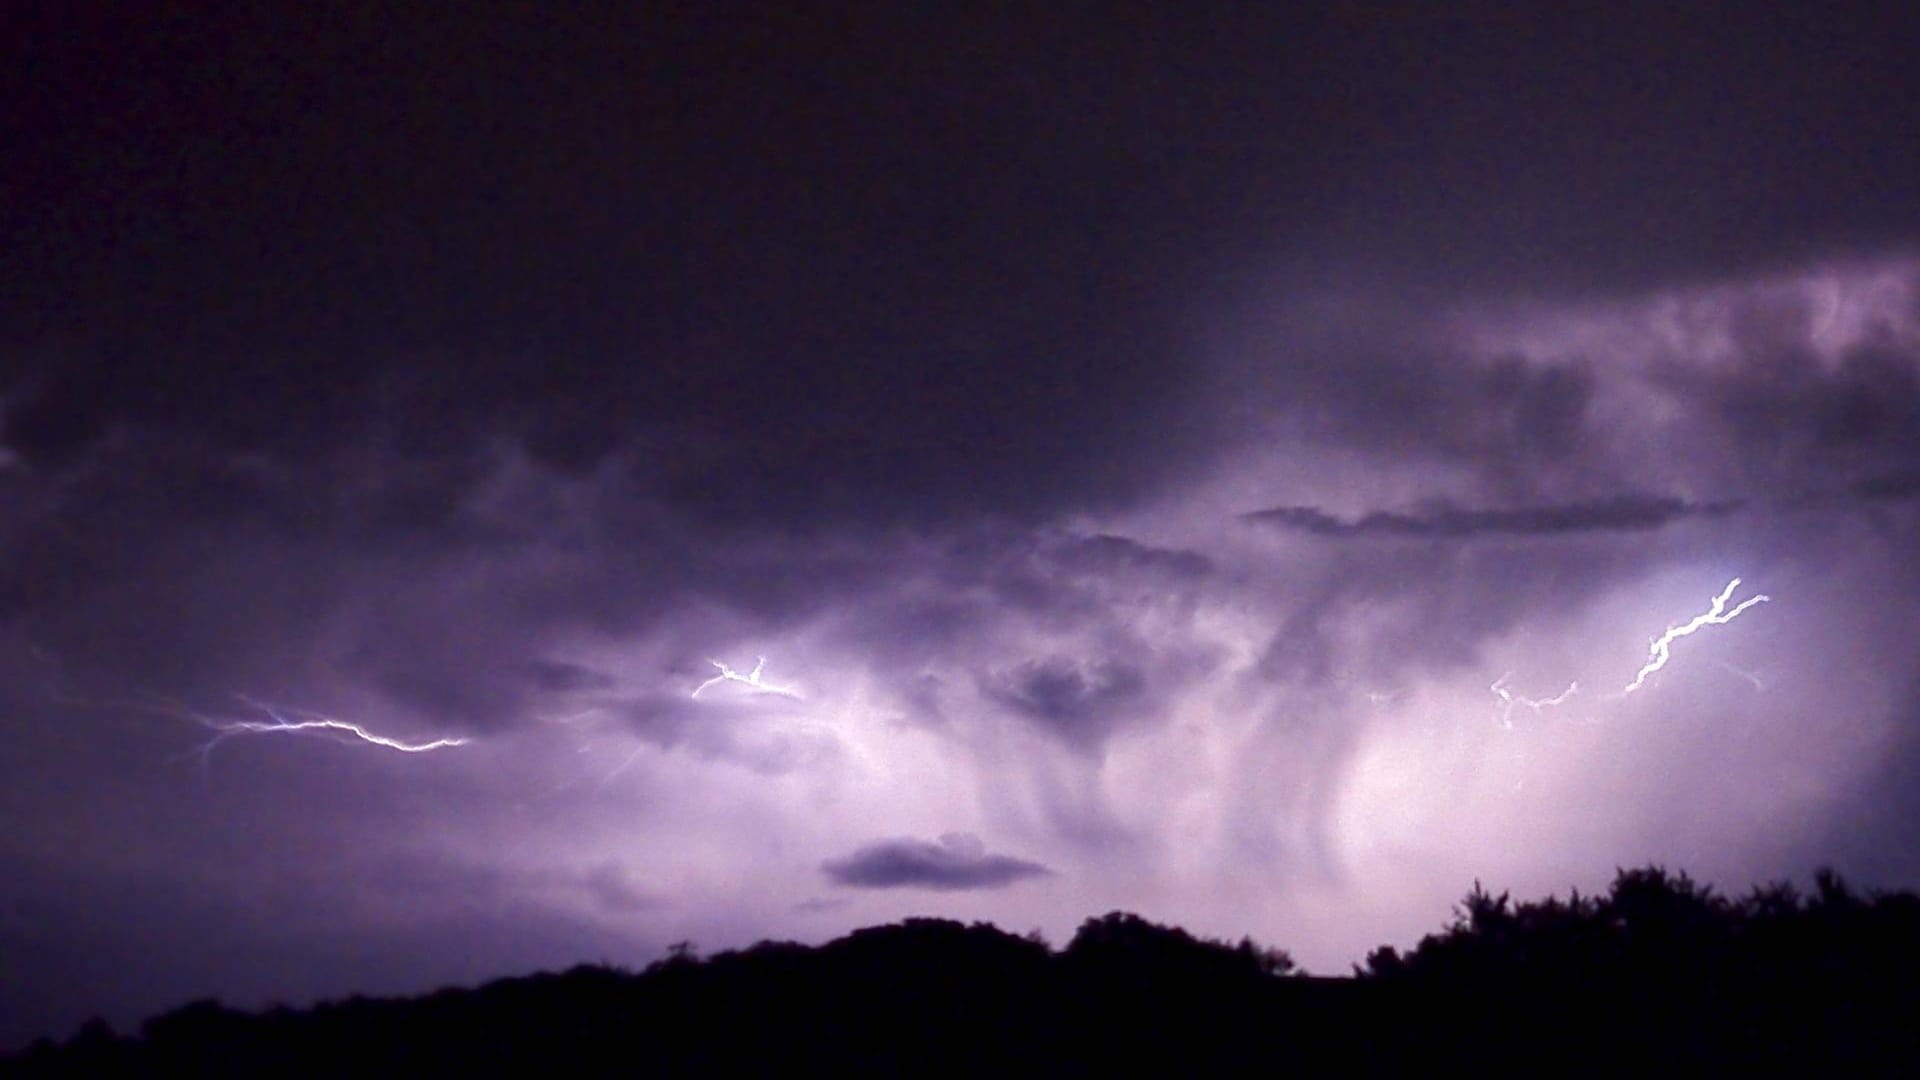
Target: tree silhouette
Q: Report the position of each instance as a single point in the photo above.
(1659, 973)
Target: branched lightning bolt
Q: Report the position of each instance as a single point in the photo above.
(1508, 699)
(282, 720)
(279, 719)
(752, 678)
(1661, 649)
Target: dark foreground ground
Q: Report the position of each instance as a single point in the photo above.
(1657, 974)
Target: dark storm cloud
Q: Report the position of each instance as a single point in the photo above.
(1796, 416)
(957, 861)
(1059, 573)
(1890, 487)
(783, 341)
(943, 595)
(847, 276)
(1430, 608)
(1500, 409)
(1792, 412)
(1109, 555)
(486, 374)
(1625, 513)
(134, 590)
(1378, 375)
(557, 676)
(1540, 154)
(190, 573)
(1079, 703)
(956, 628)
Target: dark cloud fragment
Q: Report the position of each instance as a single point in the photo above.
(1790, 414)
(1371, 373)
(1890, 487)
(957, 861)
(1079, 703)
(560, 677)
(1625, 513)
(1104, 553)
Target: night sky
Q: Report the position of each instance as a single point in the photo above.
(1221, 462)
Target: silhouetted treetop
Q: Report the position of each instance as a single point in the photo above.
(1658, 973)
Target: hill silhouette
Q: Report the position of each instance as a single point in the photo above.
(1657, 973)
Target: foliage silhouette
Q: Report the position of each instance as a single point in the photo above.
(1657, 973)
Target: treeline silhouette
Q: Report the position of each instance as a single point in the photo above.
(1659, 973)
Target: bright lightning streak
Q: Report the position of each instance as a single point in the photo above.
(277, 722)
(1508, 699)
(752, 678)
(1662, 648)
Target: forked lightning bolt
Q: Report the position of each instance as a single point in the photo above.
(278, 722)
(752, 678)
(1662, 648)
(1508, 699)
